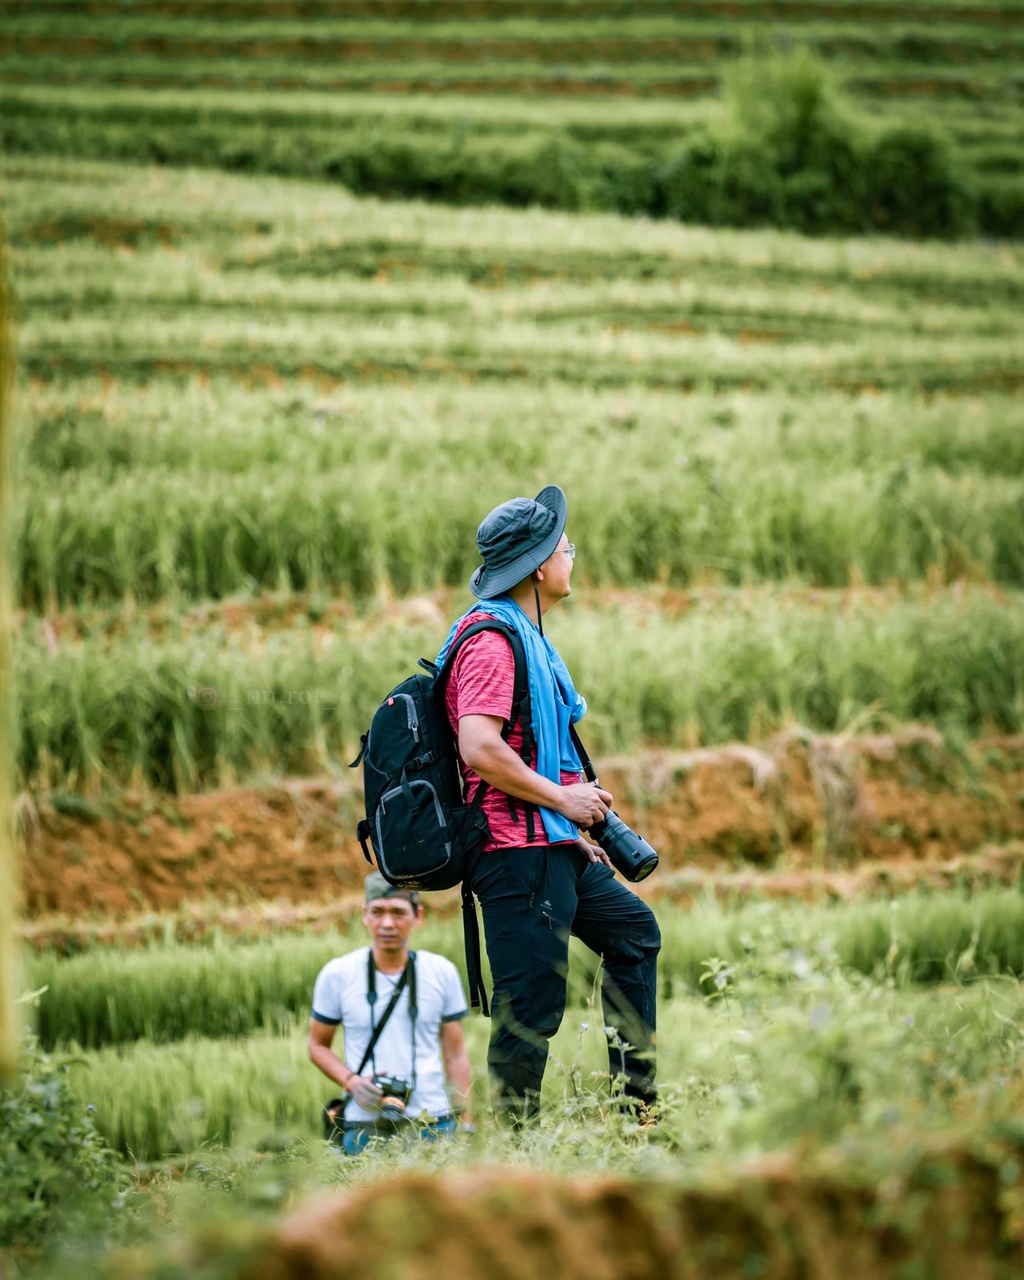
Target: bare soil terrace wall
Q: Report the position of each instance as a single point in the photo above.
(799, 804)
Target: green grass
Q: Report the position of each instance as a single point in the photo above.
(152, 485)
(736, 492)
(110, 996)
(214, 706)
(757, 1070)
(148, 486)
(544, 165)
(435, 45)
(231, 223)
(549, 161)
(84, 428)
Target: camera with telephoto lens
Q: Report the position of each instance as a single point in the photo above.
(630, 854)
(396, 1091)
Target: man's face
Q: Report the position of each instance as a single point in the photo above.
(557, 570)
(390, 921)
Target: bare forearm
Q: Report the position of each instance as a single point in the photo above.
(456, 1068)
(499, 765)
(486, 752)
(330, 1064)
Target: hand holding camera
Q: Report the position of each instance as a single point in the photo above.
(365, 1092)
(393, 1094)
(584, 803)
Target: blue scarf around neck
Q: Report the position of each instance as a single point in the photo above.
(554, 703)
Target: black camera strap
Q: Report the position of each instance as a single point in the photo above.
(581, 751)
(408, 978)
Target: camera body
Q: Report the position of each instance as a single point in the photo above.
(396, 1092)
(630, 854)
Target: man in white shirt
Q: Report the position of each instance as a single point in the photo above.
(413, 1075)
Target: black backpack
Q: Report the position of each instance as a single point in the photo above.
(423, 834)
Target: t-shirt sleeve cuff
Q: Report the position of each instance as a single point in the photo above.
(500, 711)
(322, 1017)
(453, 1017)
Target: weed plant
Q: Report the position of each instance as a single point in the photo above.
(54, 1165)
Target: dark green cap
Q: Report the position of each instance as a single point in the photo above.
(378, 887)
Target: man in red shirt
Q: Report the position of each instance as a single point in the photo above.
(538, 880)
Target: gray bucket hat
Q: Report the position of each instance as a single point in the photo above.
(515, 538)
(378, 887)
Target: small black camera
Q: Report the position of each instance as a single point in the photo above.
(396, 1091)
(630, 853)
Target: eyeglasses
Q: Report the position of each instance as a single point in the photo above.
(569, 551)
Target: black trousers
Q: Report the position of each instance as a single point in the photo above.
(532, 900)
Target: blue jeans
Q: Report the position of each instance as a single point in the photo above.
(355, 1134)
(532, 899)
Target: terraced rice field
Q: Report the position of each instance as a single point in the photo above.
(260, 421)
(204, 396)
(330, 89)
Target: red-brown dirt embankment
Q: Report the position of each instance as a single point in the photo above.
(824, 807)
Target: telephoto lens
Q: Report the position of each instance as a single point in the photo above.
(630, 853)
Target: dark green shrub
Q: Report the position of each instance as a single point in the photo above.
(623, 181)
(914, 184)
(793, 155)
(788, 111)
(790, 155)
(549, 170)
(721, 182)
(52, 1159)
(1000, 207)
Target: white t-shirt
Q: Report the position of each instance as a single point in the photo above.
(339, 996)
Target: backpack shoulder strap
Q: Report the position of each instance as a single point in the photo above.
(521, 685)
(520, 711)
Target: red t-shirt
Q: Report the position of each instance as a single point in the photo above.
(481, 683)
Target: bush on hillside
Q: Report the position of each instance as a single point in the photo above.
(722, 184)
(789, 155)
(790, 112)
(1000, 207)
(792, 154)
(914, 184)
